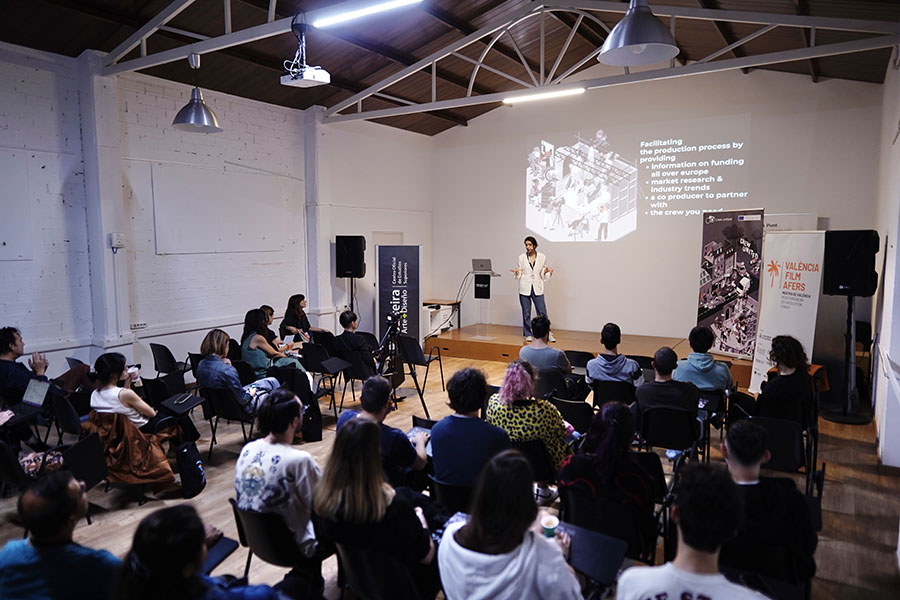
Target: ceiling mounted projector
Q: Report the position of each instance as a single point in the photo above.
(306, 77)
(299, 74)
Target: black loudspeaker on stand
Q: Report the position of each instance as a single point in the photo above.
(350, 261)
(850, 271)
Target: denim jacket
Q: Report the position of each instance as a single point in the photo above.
(214, 373)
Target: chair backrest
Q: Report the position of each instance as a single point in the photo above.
(10, 469)
(155, 391)
(324, 339)
(245, 372)
(646, 365)
(234, 350)
(578, 414)
(578, 358)
(371, 340)
(785, 444)
(455, 498)
(359, 368)
(195, 359)
(605, 515)
(652, 465)
(714, 400)
(612, 391)
(551, 382)
(66, 416)
(73, 362)
(85, 460)
(536, 454)
(491, 390)
(163, 359)
(669, 428)
(423, 422)
(225, 406)
(315, 355)
(267, 536)
(174, 383)
(411, 350)
(376, 575)
(293, 379)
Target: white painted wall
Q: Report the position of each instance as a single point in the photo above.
(811, 149)
(48, 296)
(375, 178)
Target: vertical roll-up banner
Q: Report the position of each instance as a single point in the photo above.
(792, 279)
(729, 278)
(398, 288)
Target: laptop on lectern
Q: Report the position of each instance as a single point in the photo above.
(482, 265)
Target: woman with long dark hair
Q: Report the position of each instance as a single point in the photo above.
(497, 553)
(108, 397)
(359, 508)
(166, 561)
(256, 349)
(604, 468)
(526, 418)
(295, 321)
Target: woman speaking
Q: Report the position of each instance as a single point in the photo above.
(531, 273)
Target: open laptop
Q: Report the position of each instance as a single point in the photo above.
(482, 265)
(36, 392)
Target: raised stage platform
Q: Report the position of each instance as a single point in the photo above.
(502, 342)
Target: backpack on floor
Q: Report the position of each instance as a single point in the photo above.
(190, 467)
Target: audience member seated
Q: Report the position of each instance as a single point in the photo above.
(542, 356)
(707, 511)
(108, 397)
(461, 443)
(49, 564)
(404, 460)
(777, 538)
(216, 372)
(663, 391)
(609, 364)
(499, 553)
(700, 368)
(274, 340)
(271, 476)
(14, 376)
(359, 508)
(295, 320)
(166, 561)
(349, 345)
(526, 418)
(787, 396)
(605, 469)
(256, 349)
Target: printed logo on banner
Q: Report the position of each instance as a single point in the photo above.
(773, 270)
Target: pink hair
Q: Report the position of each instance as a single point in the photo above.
(518, 384)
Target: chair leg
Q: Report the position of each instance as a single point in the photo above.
(213, 423)
(243, 432)
(441, 365)
(247, 566)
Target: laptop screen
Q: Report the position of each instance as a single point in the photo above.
(36, 392)
(481, 264)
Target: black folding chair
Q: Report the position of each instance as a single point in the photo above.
(224, 406)
(491, 390)
(267, 536)
(646, 365)
(164, 361)
(455, 498)
(67, 418)
(194, 360)
(324, 339)
(371, 340)
(317, 363)
(551, 382)
(415, 356)
(612, 391)
(537, 456)
(579, 358)
(376, 575)
(357, 371)
(423, 422)
(671, 428)
(578, 414)
(86, 461)
(245, 372)
(234, 350)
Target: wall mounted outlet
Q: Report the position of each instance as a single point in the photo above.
(116, 240)
(136, 326)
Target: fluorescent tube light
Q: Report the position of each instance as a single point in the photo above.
(361, 12)
(543, 95)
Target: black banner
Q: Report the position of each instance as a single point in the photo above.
(398, 288)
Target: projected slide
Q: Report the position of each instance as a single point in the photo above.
(581, 192)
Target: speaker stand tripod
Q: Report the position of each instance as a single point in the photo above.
(850, 414)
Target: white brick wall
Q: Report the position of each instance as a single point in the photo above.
(47, 297)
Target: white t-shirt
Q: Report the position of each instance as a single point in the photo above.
(278, 478)
(669, 582)
(536, 569)
(107, 401)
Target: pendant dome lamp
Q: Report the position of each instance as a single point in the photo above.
(638, 39)
(196, 116)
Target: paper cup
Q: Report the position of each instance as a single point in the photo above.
(549, 523)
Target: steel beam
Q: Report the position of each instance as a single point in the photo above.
(874, 43)
(166, 15)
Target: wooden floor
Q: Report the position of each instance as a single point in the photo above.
(857, 547)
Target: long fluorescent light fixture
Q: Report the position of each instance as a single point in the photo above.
(544, 95)
(361, 12)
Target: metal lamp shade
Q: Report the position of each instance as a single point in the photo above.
(638, 39)
(196, 116)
